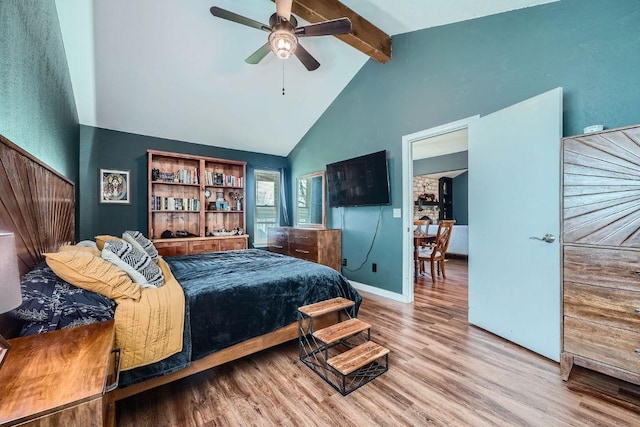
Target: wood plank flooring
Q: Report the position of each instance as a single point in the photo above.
(442, 372)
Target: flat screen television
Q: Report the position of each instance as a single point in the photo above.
(361, 181)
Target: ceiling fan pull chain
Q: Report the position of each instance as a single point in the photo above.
(282, 78)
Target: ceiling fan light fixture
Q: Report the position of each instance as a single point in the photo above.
(283, 43)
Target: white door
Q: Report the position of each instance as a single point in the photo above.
(514, 194)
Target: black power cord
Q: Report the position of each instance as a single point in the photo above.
(366, 258)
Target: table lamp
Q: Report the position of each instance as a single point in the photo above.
(10, 294)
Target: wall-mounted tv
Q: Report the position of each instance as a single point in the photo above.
(361, 181)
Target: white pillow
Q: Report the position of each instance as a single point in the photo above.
(136, 263)
(88, 244)
(140, 242)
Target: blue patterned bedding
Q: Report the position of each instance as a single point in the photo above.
(236, 295)
(50, 303)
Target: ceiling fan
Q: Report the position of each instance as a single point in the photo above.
(284, 32)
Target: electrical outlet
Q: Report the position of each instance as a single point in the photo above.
(374, 267)
(344, 262)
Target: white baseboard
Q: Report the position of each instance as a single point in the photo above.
(377, 291)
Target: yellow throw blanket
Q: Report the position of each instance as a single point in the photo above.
(151, 329)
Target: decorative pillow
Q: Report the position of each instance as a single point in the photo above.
(92, 273)
(77, 248)
(138, 241)
(88, 244)
(50, 303)
(79, 307)
(135, 262)
(101, 240)
(38, 304)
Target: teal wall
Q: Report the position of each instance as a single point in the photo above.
(108, 149)
(440, 75)
(37, 108)
(461, 199)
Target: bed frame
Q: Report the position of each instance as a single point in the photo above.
(37, 204)
(245, 348)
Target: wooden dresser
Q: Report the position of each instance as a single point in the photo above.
(321, 246)
(59, 378)
(601, 253)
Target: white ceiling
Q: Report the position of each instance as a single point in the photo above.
(440, 145)
(448, 174)
(169, 69)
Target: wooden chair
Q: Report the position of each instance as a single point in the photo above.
(421, 226)
(436, 251)
(420, 232)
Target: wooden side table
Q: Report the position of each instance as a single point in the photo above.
(58, 378)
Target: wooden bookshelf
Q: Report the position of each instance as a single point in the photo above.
(194, 197)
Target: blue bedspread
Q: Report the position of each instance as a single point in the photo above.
(236, 295)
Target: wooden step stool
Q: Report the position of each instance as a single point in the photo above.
(342, 354)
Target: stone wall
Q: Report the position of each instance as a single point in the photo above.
(424, 184)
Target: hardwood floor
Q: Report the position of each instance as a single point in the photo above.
(442, 371)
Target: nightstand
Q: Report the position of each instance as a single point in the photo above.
(59, 378)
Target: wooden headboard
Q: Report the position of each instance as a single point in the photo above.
(37, 205)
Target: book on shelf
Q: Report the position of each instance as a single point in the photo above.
(181, 176)
(188, 176)
(217, 179)
(235, 181)
(162, 203)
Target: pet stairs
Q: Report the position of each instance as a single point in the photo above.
(341, 354)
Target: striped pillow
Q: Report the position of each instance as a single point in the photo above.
(134, 262)
(138, 240)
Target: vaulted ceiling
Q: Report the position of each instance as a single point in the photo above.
(169, 69)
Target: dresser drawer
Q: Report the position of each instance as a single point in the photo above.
(279, 249)
(202, 246)
(279, 245)
(611, 268)
(303, 237)
(171, 248)
(279, 236)
(310, 253)
(612, 307)
(278, 240)
(613, 346)
(233, 244)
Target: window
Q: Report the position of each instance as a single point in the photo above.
(267, 210)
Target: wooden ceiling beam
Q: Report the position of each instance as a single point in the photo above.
(364, 36)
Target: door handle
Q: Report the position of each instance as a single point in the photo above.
(549, 238)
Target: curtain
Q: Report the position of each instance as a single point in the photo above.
(284, 211)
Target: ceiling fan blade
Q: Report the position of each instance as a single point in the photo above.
(305, 57)
(234, 17)
(283, 8)
(326, 28)
(259, 54)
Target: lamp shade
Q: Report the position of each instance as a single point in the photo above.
(10, 295)
(283, 43)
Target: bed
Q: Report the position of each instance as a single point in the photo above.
(237, 302)
(235, 296)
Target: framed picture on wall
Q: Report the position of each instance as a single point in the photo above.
(114, 186)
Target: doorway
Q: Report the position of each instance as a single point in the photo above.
(430, 143)
(514, 193)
